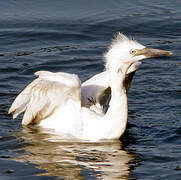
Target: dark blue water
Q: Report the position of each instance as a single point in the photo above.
(71, 36)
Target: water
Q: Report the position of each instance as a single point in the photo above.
(71, 36)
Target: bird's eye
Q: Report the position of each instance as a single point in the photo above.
(132, 51)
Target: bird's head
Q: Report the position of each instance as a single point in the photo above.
(125, 51)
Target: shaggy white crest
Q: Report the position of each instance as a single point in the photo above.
(122, 49)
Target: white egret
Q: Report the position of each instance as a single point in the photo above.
(53, 100)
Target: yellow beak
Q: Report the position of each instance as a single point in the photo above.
(150, 52)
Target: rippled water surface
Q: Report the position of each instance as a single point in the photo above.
(71, 36)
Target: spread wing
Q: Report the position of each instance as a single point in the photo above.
(44, 95)
(94, 87)
(97, 87)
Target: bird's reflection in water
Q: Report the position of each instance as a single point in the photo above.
(71, 159)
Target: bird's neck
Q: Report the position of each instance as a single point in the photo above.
(117, 113)
(116, 82)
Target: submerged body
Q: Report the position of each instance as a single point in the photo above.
(84, 123)
(59, 102)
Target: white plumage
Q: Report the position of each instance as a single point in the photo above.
(97, 87)
(55, 101)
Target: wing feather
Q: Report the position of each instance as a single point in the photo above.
(46, 93)
(98, 88)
